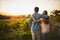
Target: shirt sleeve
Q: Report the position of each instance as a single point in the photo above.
(30, 21)
(45, 16)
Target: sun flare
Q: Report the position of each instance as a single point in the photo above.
(19, 7)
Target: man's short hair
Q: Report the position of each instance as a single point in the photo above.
(36, 9)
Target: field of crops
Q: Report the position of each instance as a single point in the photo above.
(18, 29)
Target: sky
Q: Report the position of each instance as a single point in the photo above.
(19, 7)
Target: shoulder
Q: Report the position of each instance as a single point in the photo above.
(39, 14)
(45, 16)
(33, 14)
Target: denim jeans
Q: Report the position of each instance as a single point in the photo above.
(36, 35)
(44, 36)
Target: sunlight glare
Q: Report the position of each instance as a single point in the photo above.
(19, 7)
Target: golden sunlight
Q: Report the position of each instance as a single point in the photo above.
(19, 7)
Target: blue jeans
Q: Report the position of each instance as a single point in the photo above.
(44, 36)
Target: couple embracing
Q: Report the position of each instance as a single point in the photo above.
(39, 24)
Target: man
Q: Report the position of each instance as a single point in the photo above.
(35, 26)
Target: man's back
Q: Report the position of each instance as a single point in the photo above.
(35, 26)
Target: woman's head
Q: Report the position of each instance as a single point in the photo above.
(45, 12)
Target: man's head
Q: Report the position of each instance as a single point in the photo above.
(36, 9)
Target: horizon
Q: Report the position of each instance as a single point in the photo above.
(23, 7)
(11, 14)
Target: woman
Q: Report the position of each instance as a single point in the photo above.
(45, 26)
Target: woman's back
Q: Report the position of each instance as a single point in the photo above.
(45, 25)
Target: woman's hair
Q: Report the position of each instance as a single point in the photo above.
(45, 12)
(46, 20)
